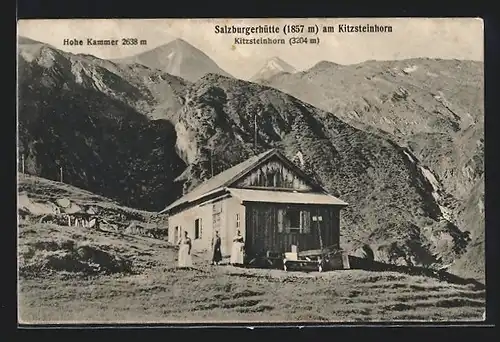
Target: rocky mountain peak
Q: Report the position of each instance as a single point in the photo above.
(271, 67)
(178, 58)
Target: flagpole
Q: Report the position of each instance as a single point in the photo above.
(255, 132)
(211, 163)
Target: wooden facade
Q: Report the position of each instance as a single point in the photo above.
(276, 227)
(271, 202)
(274, 175)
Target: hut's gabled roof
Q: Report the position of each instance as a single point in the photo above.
(229, 176)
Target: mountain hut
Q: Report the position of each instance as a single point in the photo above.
(268, 198)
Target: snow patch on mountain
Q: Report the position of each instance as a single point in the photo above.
(431, 178)
(47, 58)
(410, 69)
(437, 189)
(273, 64)
(436, 193)
(410, 157)
(273, 67)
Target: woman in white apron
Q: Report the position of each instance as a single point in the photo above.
(237, 250)
(185, 259)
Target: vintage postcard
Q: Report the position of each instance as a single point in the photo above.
(250, 170)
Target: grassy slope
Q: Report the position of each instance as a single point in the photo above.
(153, 290)
(182, 296)
(164, 294)
(37, 197)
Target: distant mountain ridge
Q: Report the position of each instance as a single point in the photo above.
(178, 58)
(26, 40)
(387, 95)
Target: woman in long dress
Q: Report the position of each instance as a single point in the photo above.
(216, 246)
(185, 259)
(237, 250)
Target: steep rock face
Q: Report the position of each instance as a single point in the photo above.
(471, 218)
(178, 58)
(458, 164)
(164, 91)
(388, 193)
(80, 116)
(458, 160)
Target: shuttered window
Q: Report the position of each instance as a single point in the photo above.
(216, 215)
(177, 233)
(216, 221)
(280, 220)
(197, 228)
(294, 221)
(305, 223)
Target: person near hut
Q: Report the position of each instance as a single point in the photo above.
(216, 247)
(237, 250)
(185, 259)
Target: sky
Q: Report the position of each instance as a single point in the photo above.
(446, 38)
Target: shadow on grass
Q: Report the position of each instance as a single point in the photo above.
(370, 265)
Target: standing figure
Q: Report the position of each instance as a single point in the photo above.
(216, 246)
(185, 259)
(237, 250)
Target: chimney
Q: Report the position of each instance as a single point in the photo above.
(300, 157)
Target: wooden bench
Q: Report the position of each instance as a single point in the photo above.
(314, 259)
(270, 259)
(312, 265)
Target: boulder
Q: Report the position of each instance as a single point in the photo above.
(63, 202)
(73, 208)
